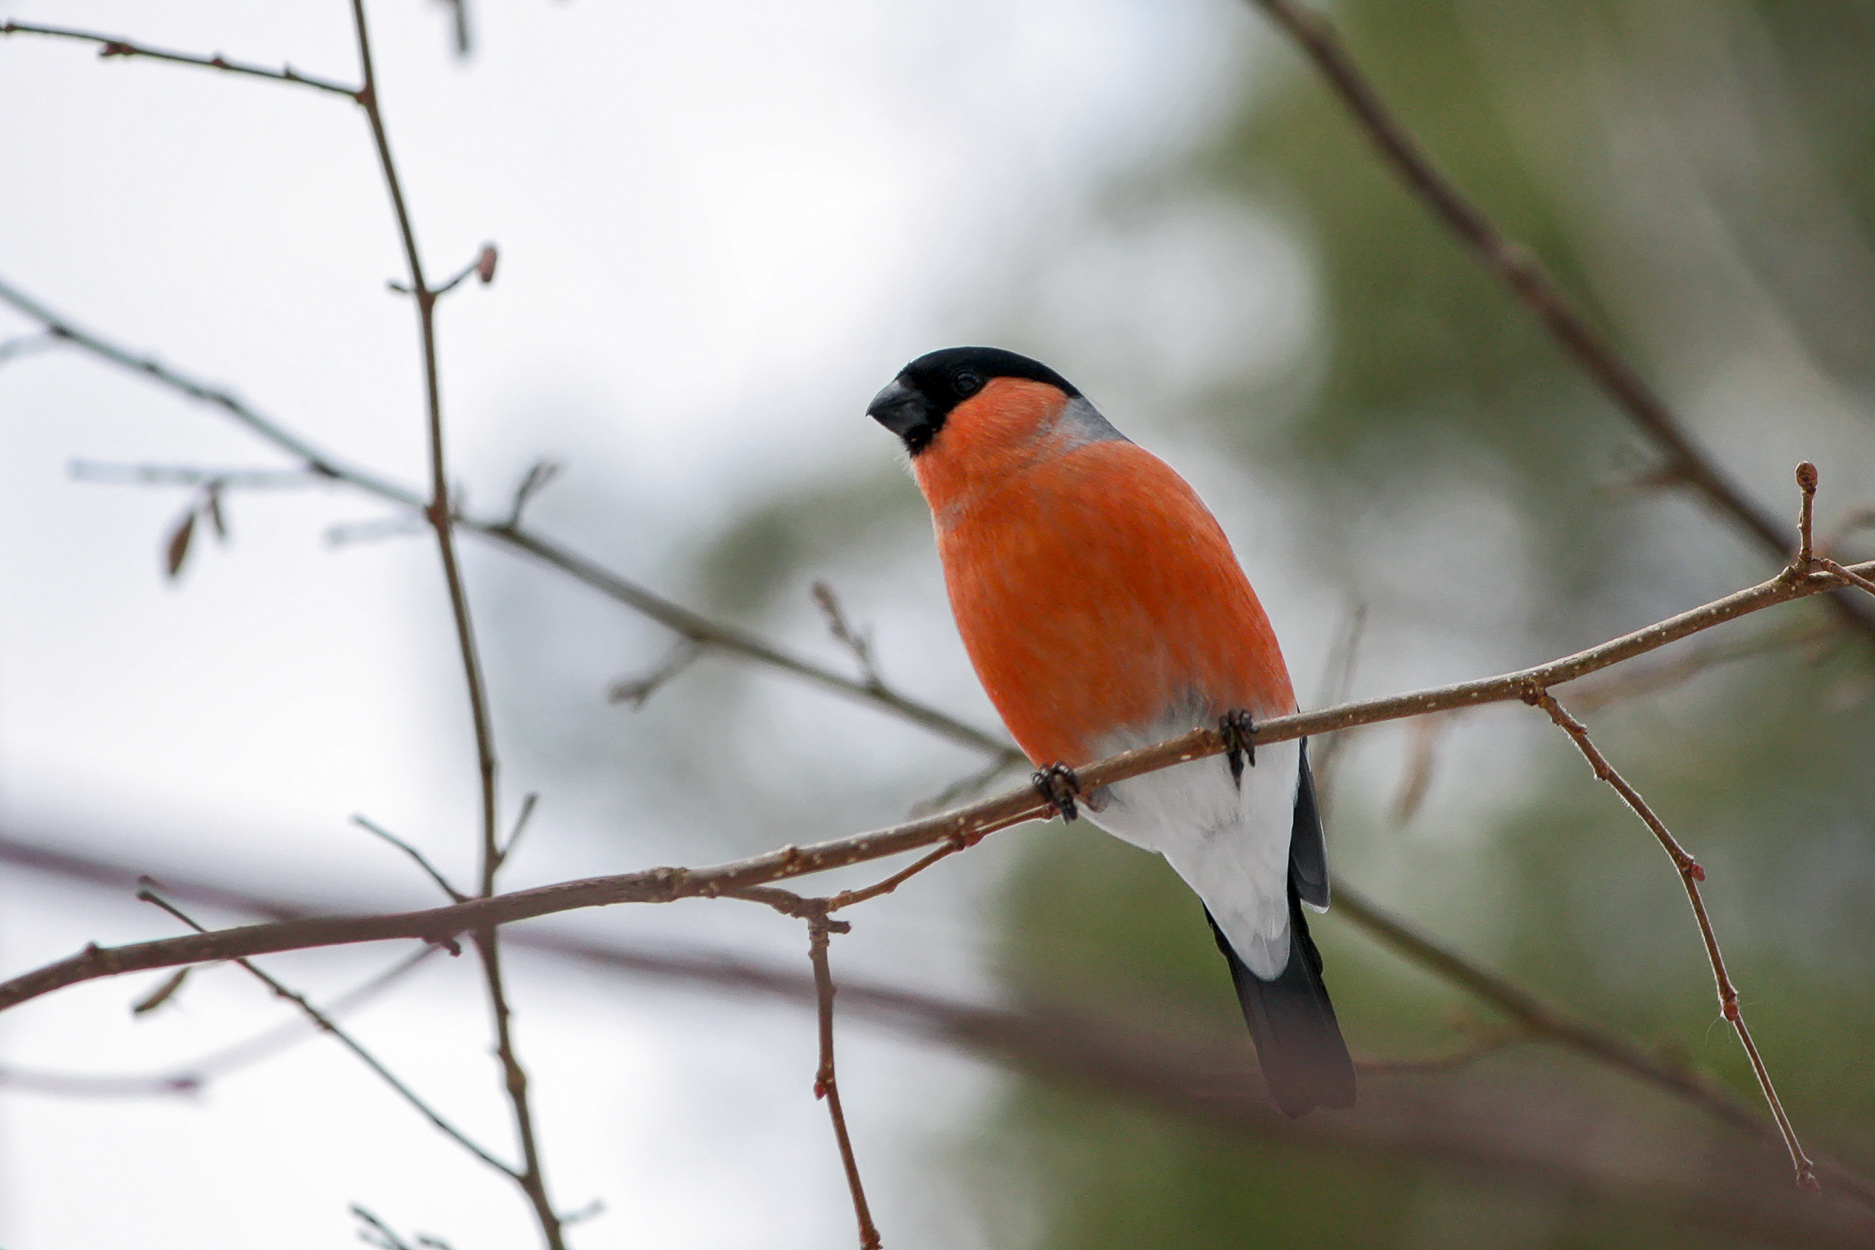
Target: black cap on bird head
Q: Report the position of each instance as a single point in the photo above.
(915, 405)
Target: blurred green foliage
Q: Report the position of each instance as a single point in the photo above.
(1701, 178)
(1767, 770)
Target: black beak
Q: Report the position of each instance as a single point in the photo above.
(901, 410)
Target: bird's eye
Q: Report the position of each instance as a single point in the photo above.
(967, 383)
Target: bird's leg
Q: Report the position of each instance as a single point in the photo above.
(1237, 729)
(1058, 787)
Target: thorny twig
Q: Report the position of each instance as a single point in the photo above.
(328, 1025)
(1525, 275)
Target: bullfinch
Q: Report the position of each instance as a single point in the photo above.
(1103, 609)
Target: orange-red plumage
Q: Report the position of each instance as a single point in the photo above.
(1094, 559)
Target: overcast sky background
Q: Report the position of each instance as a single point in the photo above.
(722, 226)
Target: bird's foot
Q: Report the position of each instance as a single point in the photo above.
(1059, 787)
(1237, 728)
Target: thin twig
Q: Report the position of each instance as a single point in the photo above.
(328, 1025)
(538, 477)
(847, 898)
(1337, 685)
(416, 855)
(531, 1176)
(189, 475)
(662, 885)
(826, 1086)
(1630, 683)
(1525, 275)
(25, 344)
(843, 633)
(638, 690)
(110, 46)
(1690, 876)
(521, 821)
(194, 1076)
(964, 1025)
(680, 620)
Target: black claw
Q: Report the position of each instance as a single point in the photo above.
(1058, 787)
(1237, 729)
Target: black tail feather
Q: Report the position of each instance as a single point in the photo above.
(1305, 1063)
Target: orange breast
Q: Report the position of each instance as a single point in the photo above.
(1095, 591)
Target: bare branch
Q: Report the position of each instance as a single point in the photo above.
(1423, 737)
(483, 267)
(531, 1176)
(856, 641)
(526, 814)
(1036, 1043)
(826, 1085)
(109, 46)
(161, 994)
(1527, 278)
(327, 1025)
(538, 477)
(26, 344)
(681, 620)
(661, 885)
(186, 475)
(416, 855)
(1691, 874)
(192, 1077)
(637, 691)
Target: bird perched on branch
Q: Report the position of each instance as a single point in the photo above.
(1104, 610)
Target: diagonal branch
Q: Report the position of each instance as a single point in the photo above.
(963, 1025)
(1691, 874)
(109, 46)
(508, 534)
(1525, 275)
(662, 885)
(327, 1025)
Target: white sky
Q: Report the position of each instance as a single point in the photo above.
(722, 224)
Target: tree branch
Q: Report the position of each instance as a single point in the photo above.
(1691, 874)
(531, 1176)
(515, 538)
(327, 1025)
(662, 885)
(1527, 278)
(109, 46)
(1028, 1044)
(826, 1084)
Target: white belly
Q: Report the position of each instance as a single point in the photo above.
(1231, 846)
